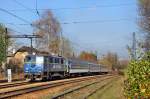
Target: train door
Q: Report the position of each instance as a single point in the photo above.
(67, 65)
(51, 61)
(62, 64)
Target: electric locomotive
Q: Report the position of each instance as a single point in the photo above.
(43, 67)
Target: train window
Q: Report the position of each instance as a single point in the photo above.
(62, 61)
(28, 59)
(51, 60)
(45, 59)
(56, 60)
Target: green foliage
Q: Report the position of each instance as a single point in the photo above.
(2, 44)
(137, 84)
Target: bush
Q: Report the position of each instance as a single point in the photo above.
(137, 84)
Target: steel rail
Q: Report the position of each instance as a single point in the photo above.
(14, 84)
(46, 86)
(78, 88)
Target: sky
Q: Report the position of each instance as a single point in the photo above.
(93, 25)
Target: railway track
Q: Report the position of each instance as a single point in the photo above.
(6, 85)
(64, 94)
(19, 91)
(4, 81)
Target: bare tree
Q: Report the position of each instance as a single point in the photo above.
(144, 9)
(67, 49)
(49, 28)
(110, 59)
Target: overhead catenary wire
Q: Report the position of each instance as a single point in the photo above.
(18, 28)
(97, 21)
(37, 12)
(22, 5)
(73, 22)
(20, 18)
(77, 8)
(27, 8)
(86, 21)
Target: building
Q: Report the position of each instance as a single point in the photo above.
(20, 54)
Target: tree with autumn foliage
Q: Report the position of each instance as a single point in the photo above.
(110, 60)
(88, 56)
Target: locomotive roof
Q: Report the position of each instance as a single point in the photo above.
(47, 56)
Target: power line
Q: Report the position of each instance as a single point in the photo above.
(19, 18)
(15, 16)
(17, 27)
(75, 8)
(80, 22)
(22, 5)
(27, 8)
(74, 22)
(97, 21)
(15, 31)
(37, 12)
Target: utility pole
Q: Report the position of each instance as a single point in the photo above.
(133, 50)
(25, 36)
(61, 47)
(6, 50)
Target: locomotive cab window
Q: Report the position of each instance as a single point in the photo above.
(28, 59)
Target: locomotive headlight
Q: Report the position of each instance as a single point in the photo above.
(27, 69)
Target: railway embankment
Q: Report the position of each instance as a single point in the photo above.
(41, 89)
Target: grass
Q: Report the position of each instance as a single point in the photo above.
(85, 91)
(112, 91)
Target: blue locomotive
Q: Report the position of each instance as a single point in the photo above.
(46, 67)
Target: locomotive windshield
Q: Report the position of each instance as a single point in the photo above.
(29, 59)
(39, 60)
(34, 59)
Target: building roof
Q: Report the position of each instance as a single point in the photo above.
(26, 49)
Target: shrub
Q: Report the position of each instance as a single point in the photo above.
(137, 84)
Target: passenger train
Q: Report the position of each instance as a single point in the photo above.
(38, 67)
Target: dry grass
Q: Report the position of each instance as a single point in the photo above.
(2, 77)
(14, 76)
(82, 93)
(113, 91)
